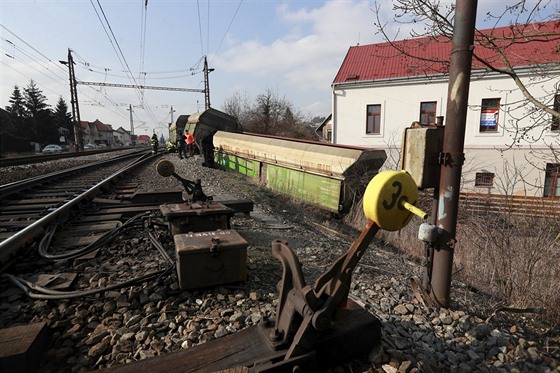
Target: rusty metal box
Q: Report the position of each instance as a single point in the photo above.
(197, 217)
(210, 258)
(421, 148)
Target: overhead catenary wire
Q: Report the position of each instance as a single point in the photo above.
(208, 27)
(19, 72)
(44, 87)
(141, 73)
(52, 73)
(114, 42)
(60, 79)
(227, 30)
(29, 45)
(200, 27)
(102, 97)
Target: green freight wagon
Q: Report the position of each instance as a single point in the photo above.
(329, 176)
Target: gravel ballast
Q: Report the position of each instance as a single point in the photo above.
(156, 317)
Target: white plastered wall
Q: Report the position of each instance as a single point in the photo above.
(518, 170)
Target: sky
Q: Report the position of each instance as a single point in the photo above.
(292, 48)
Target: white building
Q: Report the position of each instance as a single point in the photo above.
(122, 136)
(379, 91)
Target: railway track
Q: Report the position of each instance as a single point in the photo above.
(31, 205)
(39, 158)
(153, 318)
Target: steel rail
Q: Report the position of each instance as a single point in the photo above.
(38, 158)
(11, 188)
(12, 244)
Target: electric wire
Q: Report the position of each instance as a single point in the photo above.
(227, 30)
(30, 46)
(54, 76)
(113, 41)
(44, 65)
(122, 58)
(119, 52)
(126, 69)
(19, 72)
(200, 28)
(208, 27)
(143, 41)
(44, 87)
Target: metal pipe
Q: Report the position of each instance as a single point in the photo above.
(452, 157)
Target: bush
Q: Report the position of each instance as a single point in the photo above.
(514, 258)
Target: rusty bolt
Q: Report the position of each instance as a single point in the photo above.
(275, 335)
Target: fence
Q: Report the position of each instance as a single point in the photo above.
(513, 205)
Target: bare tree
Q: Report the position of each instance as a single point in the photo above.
(268, 114)
(432, 20)
(237, 105)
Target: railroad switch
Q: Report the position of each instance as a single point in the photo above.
(317, 326)
(193, 188)
(197, 217)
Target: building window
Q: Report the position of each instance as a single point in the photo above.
(552, 180)
(373, 125)
(489, 115)
(484, 179)
(329, 135)
(428, 112)
(555, 120)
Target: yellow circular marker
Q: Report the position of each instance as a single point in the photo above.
(165, 168)
(389, 200)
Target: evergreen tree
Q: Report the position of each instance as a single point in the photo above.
(63, 119)
(17, 113)
(17, 106)
(39, 117)
(35, 100)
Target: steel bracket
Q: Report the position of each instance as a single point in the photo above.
(451, 158)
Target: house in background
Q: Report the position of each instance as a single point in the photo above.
(89, 132)
(97, 133)
(105, 132)
(324, 131)
(122, 137)
(378, 92)
(143, 139)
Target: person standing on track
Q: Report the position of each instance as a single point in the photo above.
(181, 145)
(190, 143)
(155, 144)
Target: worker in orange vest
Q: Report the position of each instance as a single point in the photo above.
(189, 139)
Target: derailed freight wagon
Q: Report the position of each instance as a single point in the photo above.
(329, 176)
(178, 126)
(204, 125)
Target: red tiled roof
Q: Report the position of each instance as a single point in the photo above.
(524, 45)
(101, 127)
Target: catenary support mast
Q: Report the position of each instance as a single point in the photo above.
(452, 156)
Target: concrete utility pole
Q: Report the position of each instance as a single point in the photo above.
(74, 100)
(206, 85)
(439, 271)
